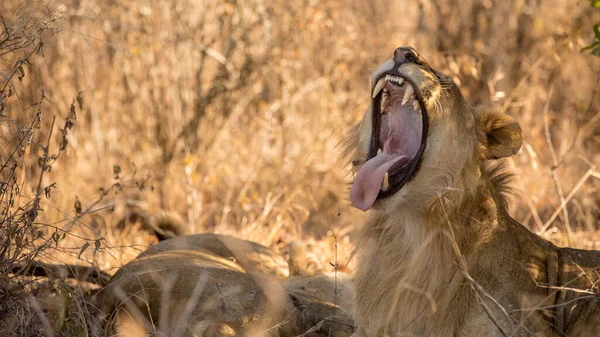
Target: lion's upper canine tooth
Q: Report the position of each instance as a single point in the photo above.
(408, 93)
(416, 106)
(385, 184)
(379, 86)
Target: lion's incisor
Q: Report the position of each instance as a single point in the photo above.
(440, 255)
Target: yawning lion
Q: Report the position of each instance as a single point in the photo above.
(440, 255)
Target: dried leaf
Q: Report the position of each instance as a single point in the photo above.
(77, 206)
(79, 102)
(72, 114)
(83, 248)
(98, 245)
(56, 237)
(21, 73)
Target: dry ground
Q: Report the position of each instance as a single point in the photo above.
(228, 114)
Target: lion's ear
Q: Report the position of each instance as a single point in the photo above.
(501, 134)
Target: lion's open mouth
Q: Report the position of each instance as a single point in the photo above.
(397, 141)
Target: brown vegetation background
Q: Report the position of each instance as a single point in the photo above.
(229, 115)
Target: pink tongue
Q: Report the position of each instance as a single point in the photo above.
(367, 183)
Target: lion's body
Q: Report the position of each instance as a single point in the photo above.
(442, 256)
(251, 256)
(213, 285)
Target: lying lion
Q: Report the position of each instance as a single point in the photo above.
(440, 255)
(251, 256)
(214, 285)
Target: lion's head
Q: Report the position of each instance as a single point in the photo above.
(419, 136)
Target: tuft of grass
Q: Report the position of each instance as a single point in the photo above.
(31, 144)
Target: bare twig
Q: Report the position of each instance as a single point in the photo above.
(555, 165)
(479, 291)
(580, 183)
(532, 69)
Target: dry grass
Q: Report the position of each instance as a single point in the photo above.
(228, 113)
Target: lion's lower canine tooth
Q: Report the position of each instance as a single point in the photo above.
(385, 184)
(416, 106)
(378, 87)
(408, 93)
(379, 151)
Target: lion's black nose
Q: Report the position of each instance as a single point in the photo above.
(405, 55)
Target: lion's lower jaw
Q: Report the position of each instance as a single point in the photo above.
(413, 197)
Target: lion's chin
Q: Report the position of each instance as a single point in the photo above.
(399, 121)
